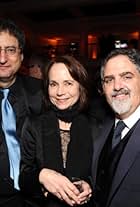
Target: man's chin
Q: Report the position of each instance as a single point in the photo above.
(7, 78)
(7, 81)
(121, 109)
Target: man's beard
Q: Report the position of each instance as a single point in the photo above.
(121, 106)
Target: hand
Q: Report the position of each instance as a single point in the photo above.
(86, 192)
(61, 186)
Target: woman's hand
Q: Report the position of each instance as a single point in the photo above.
(85, 191)
(62, 187)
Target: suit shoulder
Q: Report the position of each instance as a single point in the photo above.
(42, 123)
(30, 83)
(46, 116)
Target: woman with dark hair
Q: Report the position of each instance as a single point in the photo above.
(57, 146)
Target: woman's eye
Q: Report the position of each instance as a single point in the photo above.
(52, 84)
(68, 83)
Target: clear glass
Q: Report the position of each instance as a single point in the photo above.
(78, 183)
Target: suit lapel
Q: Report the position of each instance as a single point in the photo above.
(129, 155)
(52, 142)
(99, 143)
(18, 100)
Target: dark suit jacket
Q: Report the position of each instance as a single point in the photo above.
(125, 189)
(26, 98)
(42, 148)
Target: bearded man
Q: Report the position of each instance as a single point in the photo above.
(116, 158)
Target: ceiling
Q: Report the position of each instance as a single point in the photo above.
(52, 10)
(65, 16)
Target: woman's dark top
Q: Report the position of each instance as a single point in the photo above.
(41, 148)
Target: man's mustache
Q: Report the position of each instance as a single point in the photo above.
(122, 91)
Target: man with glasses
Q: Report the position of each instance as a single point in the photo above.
(23, 97)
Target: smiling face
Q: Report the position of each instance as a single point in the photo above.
(63, 89)
(9, 63)
(122, 85)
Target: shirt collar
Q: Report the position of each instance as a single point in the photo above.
(132, 119)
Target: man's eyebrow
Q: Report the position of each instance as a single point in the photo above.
(108, 76)
(120, 74)
(126, 73)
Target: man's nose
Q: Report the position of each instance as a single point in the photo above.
(117, 84)
(3, 56)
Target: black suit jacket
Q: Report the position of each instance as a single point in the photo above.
(26, 98)
(125, 188)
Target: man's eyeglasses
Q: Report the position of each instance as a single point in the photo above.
(10, 50)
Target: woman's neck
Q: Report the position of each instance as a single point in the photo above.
(64, 125)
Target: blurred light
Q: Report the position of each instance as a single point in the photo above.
(120, 44)
(50, 41)
(94, 54)
(135, 35)
(92, 39)
(92, 44)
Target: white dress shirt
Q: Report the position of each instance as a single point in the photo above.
(130, 121)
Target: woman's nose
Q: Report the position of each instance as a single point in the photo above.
(60, 90)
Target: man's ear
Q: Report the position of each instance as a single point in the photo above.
(22, 57)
